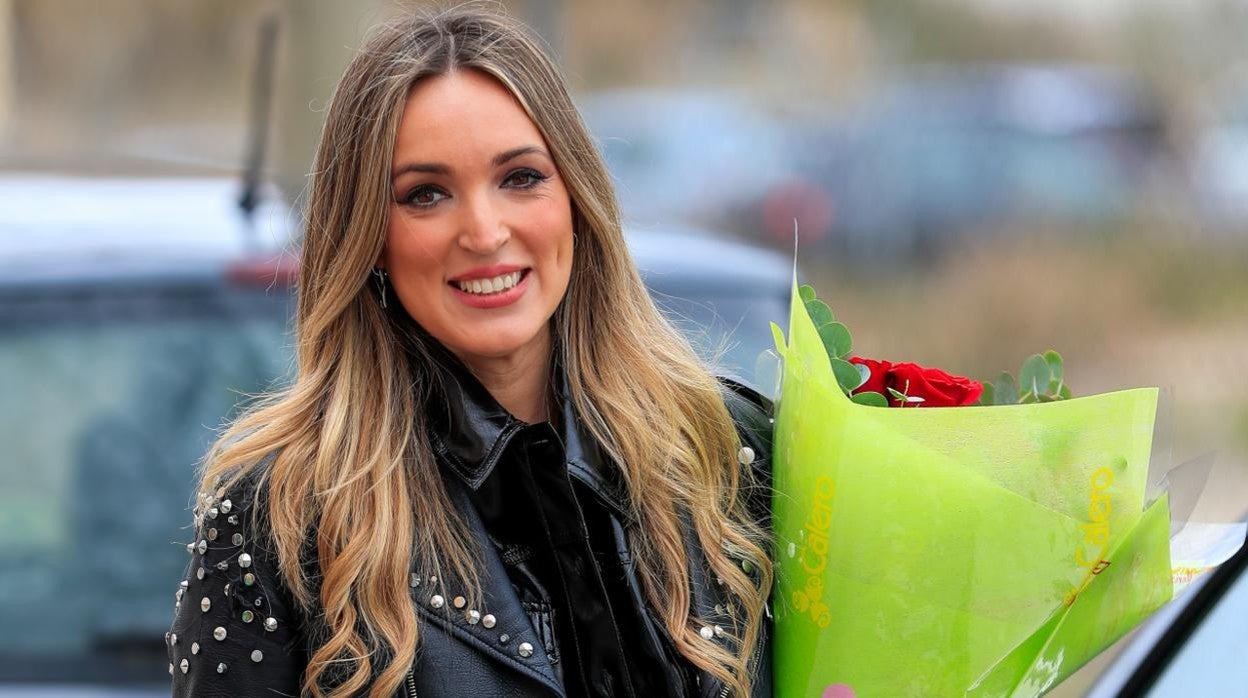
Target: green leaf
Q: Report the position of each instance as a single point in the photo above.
(1006, 390)
(1035, 374)
(1054, 360)
(836, 339)
(897, 394)
(1064, 393)
(806, 292)
(870, 399)
(864, 372)
(1027, 398)
(820, 313)
(986, 397)
(846, 375)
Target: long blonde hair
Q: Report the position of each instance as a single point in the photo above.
(353, 472)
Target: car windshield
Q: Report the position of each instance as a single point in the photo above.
(111, 398)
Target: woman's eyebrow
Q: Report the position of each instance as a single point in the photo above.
(442, 169)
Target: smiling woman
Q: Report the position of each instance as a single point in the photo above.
(518, 479)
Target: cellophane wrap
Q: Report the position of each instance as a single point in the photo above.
(985, 551)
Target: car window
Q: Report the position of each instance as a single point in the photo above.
(1211, 662)
(109, 401)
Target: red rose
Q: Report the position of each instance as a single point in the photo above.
(937, 388)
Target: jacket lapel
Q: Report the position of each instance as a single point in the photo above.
(500, 607)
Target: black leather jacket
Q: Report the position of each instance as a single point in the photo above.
(237, 632)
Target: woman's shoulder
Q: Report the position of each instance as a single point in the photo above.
(236, 629)
(751, 411)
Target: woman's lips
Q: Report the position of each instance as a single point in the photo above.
(487, 301)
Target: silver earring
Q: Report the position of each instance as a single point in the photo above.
(381, 284)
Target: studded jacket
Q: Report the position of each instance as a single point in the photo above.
(238, 632)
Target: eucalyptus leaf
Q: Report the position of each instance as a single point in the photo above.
(915, 399)
(1064, 393)
(846, 375)
(988, 397)
(863, 371)
(1054, 360)
(897, 394)
(806, 292)
(820, 313)
(1006, 390)
(1027, 398)
(870, 399)
(1035, 374)
(836, 339)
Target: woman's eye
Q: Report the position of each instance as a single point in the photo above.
(524, 178)
(424, 196)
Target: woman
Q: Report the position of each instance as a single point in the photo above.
(498, 470)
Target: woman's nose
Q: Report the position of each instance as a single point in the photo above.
(482, 229)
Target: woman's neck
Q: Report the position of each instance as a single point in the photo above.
(519, 382)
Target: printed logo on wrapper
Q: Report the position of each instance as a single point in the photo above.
(1096, 532)
(814, 553)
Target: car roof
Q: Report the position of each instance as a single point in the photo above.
(58, 227)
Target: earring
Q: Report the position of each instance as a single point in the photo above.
(381, 284)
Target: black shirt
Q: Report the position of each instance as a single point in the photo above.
(557, 542)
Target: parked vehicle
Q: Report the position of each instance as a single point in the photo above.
(135, 316)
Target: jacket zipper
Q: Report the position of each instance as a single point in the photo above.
(410, 684)
(752, 664)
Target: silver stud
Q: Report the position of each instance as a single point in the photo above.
(489, 620)
(194, 648)
(248, 616)
(415, 580)
(177, 598)
(270, 624)
(460, 602)
(437, 601)
(244, 560)
(719, 631)
(257, 656)
(212, 513)
(233, 519)
(185, 664)
(259, 603)
(205, 604)
(226, 505)
(249, 579)
(433, 579)
(199, 573)
(202, 547)
(525, 650)
(171, 668)
(227, 590)
(474, 617)
(218, 633)
(237, 539)
(173, 638)
(212, 534)
(706, 632)
(190, 548)
(746, 455)
(223, 565)
(504, 639)
(184, 584)
(221, 668)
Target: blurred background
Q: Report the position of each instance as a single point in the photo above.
(974, 181)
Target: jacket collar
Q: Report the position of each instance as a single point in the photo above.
(472, 431)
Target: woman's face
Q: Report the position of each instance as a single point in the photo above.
(479, 246)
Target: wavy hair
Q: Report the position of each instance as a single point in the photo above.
(353, 484)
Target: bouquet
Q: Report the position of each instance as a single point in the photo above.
(989, 548)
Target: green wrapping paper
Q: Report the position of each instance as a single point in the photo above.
(985, 551)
